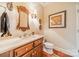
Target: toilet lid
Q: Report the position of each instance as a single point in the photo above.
(49, 44)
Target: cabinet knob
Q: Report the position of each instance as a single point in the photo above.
(26, 49)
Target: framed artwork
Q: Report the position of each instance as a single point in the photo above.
(57, 20)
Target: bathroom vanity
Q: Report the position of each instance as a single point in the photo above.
(24, 47)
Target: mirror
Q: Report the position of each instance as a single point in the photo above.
(2, 9)
(23, 18)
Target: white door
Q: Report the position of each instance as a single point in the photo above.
(77, 26)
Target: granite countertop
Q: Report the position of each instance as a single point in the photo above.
(12, 43)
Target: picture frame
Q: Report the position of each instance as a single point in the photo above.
(57, 20)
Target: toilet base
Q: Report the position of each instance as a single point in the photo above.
(49, 51)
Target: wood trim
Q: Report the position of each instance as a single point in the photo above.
(24, 28)
(61, 54)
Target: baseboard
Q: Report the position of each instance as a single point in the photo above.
(67, 52)
(61, 54)
(55, 52)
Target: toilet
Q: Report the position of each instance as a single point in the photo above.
(48, 47)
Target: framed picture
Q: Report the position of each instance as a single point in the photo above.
(57, 20)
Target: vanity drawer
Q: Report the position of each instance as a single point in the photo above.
(28, 54)
(37, 42)
(22, 50)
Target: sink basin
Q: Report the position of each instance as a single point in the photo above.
(9, 41)
(34, 36)
(12, 41)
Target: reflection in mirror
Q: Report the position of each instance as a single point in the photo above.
(12, 16)
(4, 22)
(34, 23)
(23, 18)
(2, 9)
(8, 20)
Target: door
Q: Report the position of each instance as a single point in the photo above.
(77, 27)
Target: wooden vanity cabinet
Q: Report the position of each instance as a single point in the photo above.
(37, 52)
(38, 48)
(29, 54)
(38, 42)
(33, 49)
(6, 54)
(23, 50)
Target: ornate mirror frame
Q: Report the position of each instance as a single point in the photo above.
(23, 22)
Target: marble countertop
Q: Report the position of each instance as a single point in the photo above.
(12, 43)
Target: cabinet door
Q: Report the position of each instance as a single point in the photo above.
(37, 42)
(38, 51)
(6, 54)
(22, 50)
(28, 54)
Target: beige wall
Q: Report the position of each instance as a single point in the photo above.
(63, 38)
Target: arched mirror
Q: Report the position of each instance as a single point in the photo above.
(23, 18)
